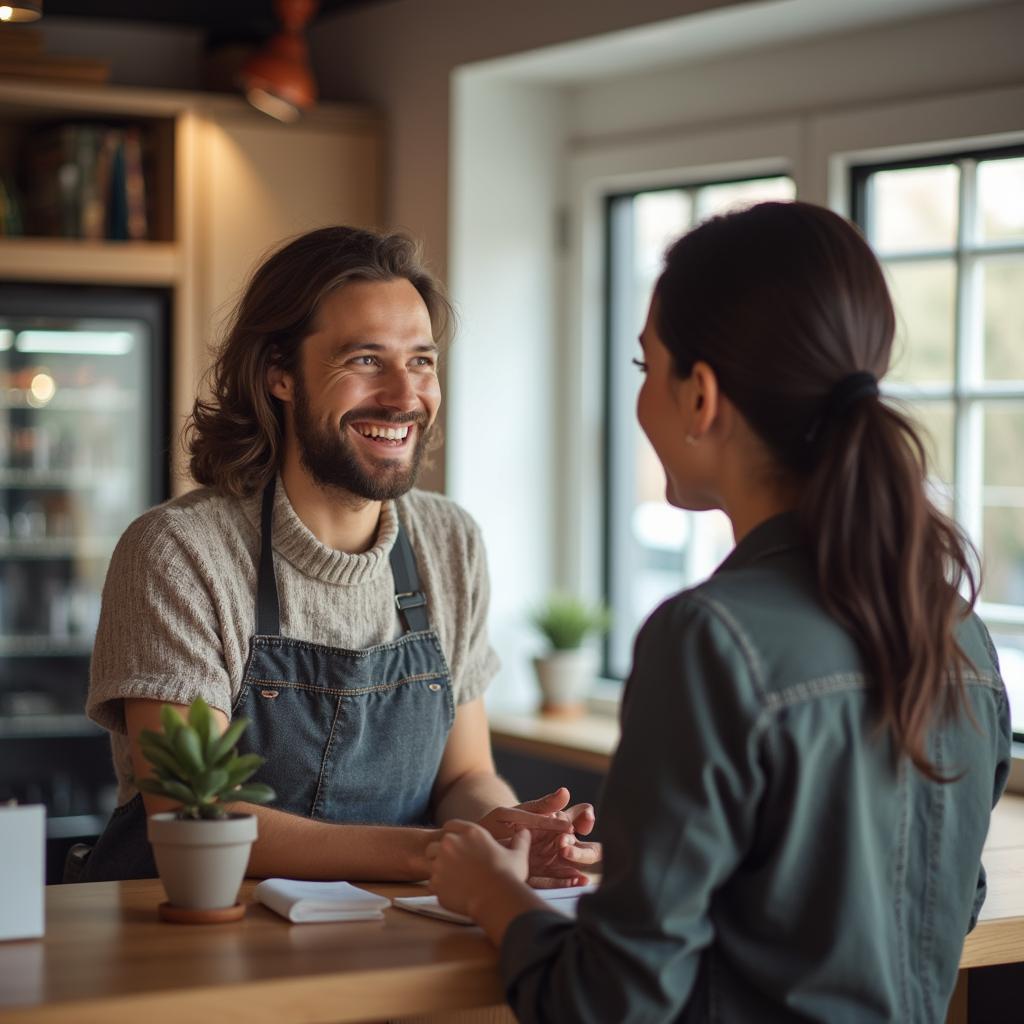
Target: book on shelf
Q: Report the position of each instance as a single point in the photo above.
(86, 181)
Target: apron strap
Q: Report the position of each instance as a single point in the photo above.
(410, 600)
(268, 614)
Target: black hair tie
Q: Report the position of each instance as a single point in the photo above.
(847, 393)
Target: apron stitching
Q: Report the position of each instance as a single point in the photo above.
(323, 763)
(405, 638)
(350, 691)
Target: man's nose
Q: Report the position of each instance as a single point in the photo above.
(398, 391)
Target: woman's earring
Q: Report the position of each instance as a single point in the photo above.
(690, 439)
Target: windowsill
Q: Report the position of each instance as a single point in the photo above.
(589, 740)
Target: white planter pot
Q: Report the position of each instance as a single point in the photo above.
(202, 863)
(565, 677)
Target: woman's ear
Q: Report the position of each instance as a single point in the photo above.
(280, 382)
(704, 399)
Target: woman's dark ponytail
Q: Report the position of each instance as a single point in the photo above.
(890, 567)
(788, 305)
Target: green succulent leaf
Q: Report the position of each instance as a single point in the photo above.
(241, 768)
(200, 717)
(226, 743)
(161, 760)
(212, 783)
(169, 788)
(170, 720)
(189, 750)
(156, 739)
(254, 793)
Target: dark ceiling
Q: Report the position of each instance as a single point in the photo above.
(220, 18)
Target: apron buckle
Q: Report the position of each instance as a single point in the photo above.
(412, 599)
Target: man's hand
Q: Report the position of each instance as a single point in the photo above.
(556, 856)
(467, 861)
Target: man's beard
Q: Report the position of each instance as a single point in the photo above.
(332, 461)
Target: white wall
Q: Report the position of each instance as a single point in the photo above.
(503, 368)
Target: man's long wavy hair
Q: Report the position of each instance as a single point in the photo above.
(234, 436)
(784, 301)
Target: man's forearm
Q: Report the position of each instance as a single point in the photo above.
(290, 846)
(472, 795)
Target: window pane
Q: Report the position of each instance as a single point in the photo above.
(1003, 305)
(1009, 643)
(924, 294)
(936, 421)
(914, 208)
(714, 199)
(1001, 200)
(659, 218)
(1003, 504)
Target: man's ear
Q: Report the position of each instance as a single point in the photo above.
(280, 383)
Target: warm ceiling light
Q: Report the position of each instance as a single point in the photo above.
(278, 79)
(23, 10)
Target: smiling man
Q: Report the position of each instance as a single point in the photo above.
(309, 588)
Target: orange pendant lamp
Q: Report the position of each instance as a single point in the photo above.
(21, 10)
(278, 79)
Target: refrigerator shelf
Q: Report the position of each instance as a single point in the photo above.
(51, 726)
(58, 548)
(45, 647)
(63, 479)
(72, 399)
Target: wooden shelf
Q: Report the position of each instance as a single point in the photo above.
(76, 261)
(586, 742)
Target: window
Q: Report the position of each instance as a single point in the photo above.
(950, 234)
(651, 549)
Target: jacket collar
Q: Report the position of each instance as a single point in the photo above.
(780, 533)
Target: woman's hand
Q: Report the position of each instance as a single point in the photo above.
(556, 856)
(468, 863)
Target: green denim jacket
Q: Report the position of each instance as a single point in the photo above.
(765, 856)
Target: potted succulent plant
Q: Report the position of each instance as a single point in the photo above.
(568, 668)
(202, 849)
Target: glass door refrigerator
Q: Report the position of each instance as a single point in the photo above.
(83, 424)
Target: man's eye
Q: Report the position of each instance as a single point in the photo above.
(423, 361)
(365, 361)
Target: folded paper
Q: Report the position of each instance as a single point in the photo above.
(303, 902)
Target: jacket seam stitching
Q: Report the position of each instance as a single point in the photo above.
(747, 648)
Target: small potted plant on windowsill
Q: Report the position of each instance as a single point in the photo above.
(202, 849)
(568, 668)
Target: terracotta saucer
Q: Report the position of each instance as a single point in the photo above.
(189, 915)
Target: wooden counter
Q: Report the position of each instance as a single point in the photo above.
(106, 958)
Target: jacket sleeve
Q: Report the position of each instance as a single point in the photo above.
(676, 816)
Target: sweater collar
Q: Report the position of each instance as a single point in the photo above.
(294, 542)
(779, 533)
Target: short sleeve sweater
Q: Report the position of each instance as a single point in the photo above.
(179, 600)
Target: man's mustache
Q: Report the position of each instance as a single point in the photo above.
(383, 416)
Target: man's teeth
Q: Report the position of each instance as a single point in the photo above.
(387, 433)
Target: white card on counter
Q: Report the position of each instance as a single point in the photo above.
(563, 900)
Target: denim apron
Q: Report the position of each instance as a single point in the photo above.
(349, 736)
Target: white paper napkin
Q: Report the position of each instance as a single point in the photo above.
(320, 901)
(563, 900)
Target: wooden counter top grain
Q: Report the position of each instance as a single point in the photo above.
(107, 959)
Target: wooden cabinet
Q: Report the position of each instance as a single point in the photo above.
(226, 184)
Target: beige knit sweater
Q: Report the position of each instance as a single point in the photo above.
(179, 600)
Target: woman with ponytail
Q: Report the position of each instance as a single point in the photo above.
(812, 739)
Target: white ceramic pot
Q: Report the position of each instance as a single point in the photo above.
(202, 863)
(565, 678)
